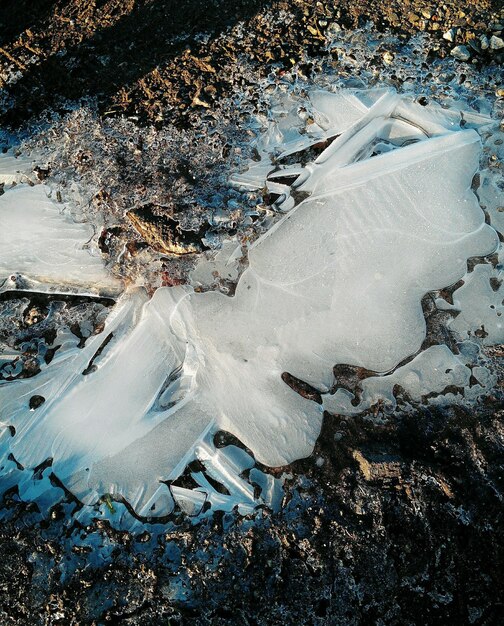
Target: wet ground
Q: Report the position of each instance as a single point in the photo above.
(393, 520)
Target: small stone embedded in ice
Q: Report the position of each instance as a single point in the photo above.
(387, 215)
(388, 57)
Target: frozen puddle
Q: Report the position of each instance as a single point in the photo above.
(381, 214)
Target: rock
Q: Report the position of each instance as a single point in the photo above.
(496, 43)
(163, 233)
(333, 29)
(450, 34)
(388, 57)
(461, 53)
(484, 42)
(474, 44)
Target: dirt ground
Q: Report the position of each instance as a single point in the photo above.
(154, 59)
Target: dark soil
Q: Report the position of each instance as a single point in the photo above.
(402, 524)
(148, 58)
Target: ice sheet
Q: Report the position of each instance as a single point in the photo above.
(39, 240)
(389, 215)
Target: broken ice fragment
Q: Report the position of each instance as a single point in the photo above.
(41, 242)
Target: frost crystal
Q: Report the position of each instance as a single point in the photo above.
(381, 215)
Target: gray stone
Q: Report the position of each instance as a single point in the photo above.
(450, 34)
(461, 53)
(496, 43)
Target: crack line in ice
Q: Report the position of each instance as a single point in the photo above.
(339, 279)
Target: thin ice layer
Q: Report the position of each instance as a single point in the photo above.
(479, 305)
(41, 242)
(430, 372)
(338, 280)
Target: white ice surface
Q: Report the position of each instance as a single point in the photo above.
(430, 372)
(14, 169)
(40, 241)
(339, 279)
(224, 266)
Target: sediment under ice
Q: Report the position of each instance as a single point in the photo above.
(384, 214)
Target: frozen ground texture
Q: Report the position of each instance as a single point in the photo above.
(383, 214)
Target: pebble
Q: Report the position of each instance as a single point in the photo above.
(496, 43)
(450, 34)
(388, 57)
(484, 42)
(461, 53)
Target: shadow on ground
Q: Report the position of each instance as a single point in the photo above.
(115, 56)
(18, 15)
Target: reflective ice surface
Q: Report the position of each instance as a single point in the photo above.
(380, 215)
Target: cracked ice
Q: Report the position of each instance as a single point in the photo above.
(383, 215)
